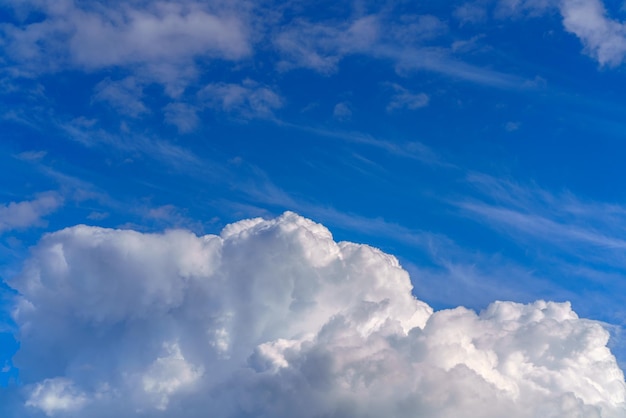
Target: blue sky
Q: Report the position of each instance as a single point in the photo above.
(479, 142)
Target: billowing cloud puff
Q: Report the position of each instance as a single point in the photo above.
(273, 318)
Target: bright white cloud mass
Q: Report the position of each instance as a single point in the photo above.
(273, 318)
(480, 142)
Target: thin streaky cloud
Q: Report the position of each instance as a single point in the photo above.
(322, 46)
(413, 150)
(591, 232)
(440, 60)
(542, 227)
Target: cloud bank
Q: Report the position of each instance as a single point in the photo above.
(273, 318)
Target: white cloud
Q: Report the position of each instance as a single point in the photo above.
(168, 374)
(471, 13)
(55, 396)
(182, 115)
(247, 100)
(320, 46)
(342, 111)
(603, 38)
(19, 215)
(169, 42)
(512, 126)
(119, 322)
(514, 8)
(33, 156)
(123, 95)
(162, 38)
(411, 29)
(404, 99)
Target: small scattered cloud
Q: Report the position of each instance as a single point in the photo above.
(342, 111)
(56, 396)
(467, 45)
(33, 156)
(182, 115)
(29, 213)
(536, 83)
(412, 29)
(247, 100)
(170, 216)
(523, 8)
(405, 42)
(320, 46)
(97, 216)
(122, 95)
(470, 13)
(405, 99)
(512, 126)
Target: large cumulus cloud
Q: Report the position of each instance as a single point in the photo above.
(273, 318)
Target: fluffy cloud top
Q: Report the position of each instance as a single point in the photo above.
(273, 318)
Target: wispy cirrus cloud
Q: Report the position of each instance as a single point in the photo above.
(88, 133)
(590, 231)
(413, 150)
(320, 46)
(580, 254)
(31, 155)
(441, 60)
